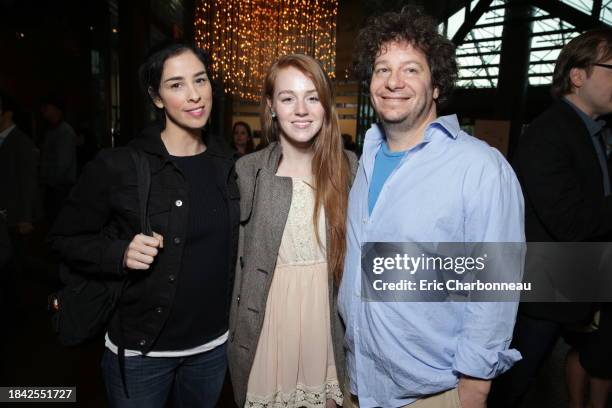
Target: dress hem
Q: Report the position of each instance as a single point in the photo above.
(302, 396)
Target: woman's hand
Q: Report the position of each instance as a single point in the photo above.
(142, 251)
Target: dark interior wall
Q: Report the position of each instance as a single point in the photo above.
(52, 58)
(46, 50)
(350, 19)
(480, 103)
(134, 41)
(439, 9)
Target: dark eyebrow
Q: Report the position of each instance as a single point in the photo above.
(180, 78)
(176, 78)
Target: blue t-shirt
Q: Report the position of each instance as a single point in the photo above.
(386, 161)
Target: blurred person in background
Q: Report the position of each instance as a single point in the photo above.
(18, 196)
(242, 139)
(58, 160)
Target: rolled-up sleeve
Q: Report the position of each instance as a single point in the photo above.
(495, 215)
(482, 349)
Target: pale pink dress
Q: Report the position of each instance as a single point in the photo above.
(294, 363)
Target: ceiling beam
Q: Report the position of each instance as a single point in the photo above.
(471, 21)
(565, 12)
(596, 9)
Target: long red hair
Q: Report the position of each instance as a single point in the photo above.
(330, 166)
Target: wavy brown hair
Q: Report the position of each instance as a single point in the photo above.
(582, 52)
(330, 165)
(416, 28)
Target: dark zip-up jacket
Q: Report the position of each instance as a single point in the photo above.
(101, 217)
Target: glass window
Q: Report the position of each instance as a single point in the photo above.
(549, 35)
(454, 22)
(586, 6)
(479, 53)
(606, 11)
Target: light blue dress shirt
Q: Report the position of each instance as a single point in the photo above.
(451, 187)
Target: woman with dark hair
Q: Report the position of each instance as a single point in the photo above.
(286, 338)
(171, 322)
(242, 139)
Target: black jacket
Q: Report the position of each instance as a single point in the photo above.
(558, 169)
(18, 178)
(101, 217)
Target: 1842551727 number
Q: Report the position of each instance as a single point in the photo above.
(66, 394)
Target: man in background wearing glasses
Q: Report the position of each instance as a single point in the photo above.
(562, 165)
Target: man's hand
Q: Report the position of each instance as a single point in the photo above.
(142, 251)
(473, 392)
(24, 228)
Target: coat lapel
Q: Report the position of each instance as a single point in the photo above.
(274, 200)
(269, 197)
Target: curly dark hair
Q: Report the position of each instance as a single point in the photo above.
(413, 26)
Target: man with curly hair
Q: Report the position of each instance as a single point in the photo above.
(421, 179)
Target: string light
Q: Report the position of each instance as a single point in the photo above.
(244, 37)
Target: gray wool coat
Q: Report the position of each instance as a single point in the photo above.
(264, 206)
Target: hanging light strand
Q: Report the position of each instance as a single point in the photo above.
(244, 37)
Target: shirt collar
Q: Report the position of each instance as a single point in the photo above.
(448, 124)
(6, 131)
(593, 126)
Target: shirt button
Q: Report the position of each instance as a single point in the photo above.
(238, 298)
(364, 220)
(177, 241)
(142, 343)
(159, 310)
(171, 278)
(178, 203)
(232, 337)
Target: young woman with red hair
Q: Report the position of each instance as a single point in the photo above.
(285, 333)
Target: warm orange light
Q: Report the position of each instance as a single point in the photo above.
(244, 37)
